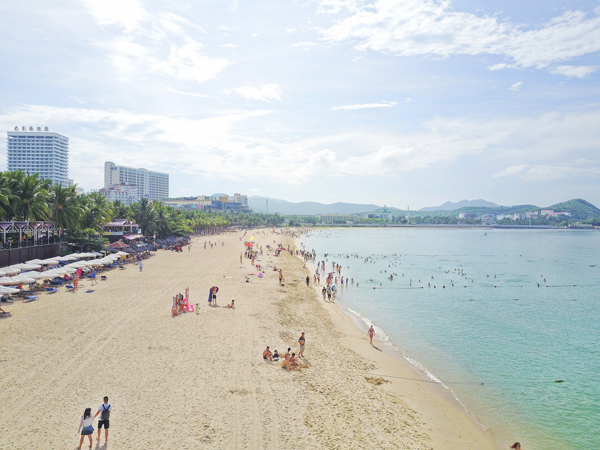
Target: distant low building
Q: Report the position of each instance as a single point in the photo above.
(467, 216)
(216, 202)
(519, 216)
(487, 219)
(338, 218)
(546, 212)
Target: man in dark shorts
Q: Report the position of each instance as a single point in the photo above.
(104, 421)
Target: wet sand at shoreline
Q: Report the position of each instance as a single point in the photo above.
(198, 380)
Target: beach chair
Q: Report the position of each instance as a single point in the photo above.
(103, 277)
(31, 298)
(4, 314)
(51, 290)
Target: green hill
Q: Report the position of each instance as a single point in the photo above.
(579, 209)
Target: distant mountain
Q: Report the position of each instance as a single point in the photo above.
(283, 207)
(451, 206)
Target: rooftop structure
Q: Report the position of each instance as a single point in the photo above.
(39, 151)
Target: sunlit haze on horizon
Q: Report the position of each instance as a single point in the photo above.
(393, 102)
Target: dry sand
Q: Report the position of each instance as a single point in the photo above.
(198, 380)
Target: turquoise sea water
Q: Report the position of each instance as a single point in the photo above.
(501, 330)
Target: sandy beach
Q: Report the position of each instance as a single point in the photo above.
(198, 380)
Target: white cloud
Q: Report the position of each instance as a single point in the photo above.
(408, 100)
(265, 92)
(229, 45)
(384, 104)
(139, 46)
(574, 71)
(290, 30)
(516, 86)
(546, 172)
(432, 27)
(192, 94)
(532, 148)
(126, 13)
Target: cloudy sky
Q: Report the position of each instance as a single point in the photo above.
(397, 102)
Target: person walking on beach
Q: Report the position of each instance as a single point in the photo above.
(301, 341)
(307, 281)
(94, 281)
(86, 426)
(141, 266)
(104, 410)
(371, 333)
(280, 277)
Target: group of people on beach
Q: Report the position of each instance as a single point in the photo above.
(289, 360)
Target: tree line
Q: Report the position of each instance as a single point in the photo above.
(27, 197)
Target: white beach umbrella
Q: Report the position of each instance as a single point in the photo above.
(74, 255)
(24, 278)
(32, 274)
(49, 261)
(7, 280)
(8, 290)
(34, 261)
(121, 253)
(8, 270)
(24, 266)
(67, 258)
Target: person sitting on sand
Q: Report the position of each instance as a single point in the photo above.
(275, 356)
(287, 355)
(231, 305)
(290, 363)
(267, 354)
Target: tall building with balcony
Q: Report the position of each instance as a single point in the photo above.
(39, 151)
(147, 184)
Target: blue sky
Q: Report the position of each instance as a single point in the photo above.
(410, 102)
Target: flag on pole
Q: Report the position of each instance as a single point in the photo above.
(252, 238)
(244, 234)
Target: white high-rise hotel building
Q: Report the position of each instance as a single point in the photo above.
(131, 185)
(42, 152)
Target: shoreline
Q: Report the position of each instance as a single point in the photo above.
(401, 367)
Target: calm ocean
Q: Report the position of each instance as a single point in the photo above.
(500, 342)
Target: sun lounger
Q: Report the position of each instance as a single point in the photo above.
(5, 314)
(51, 291)
(30, 299)
(103, 277)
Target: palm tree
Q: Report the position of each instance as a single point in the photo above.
(96, 210)
(30, 196)
(120, 210)
(65, 208)
(145, 216)
(5, 197)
